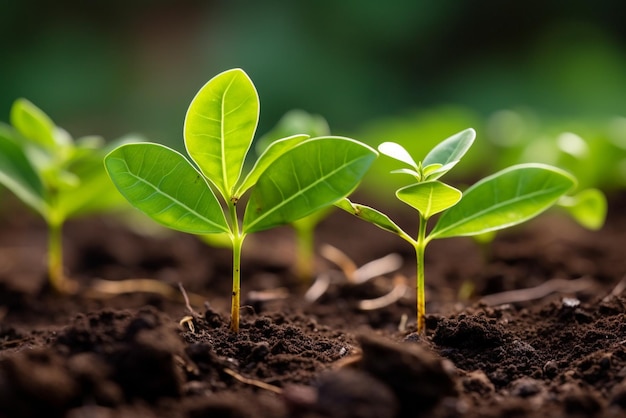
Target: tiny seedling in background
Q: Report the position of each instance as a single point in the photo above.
(293, 178)
(509, 197)
(58, 177)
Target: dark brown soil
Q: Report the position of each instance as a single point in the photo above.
(487, 352)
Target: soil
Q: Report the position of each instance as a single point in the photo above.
(492, 347)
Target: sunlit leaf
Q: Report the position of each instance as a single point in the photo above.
(275, 150)
(397, 152)
(17, 173)
(165, 186)
(429, 197)
(307, 178)
(32, 123)
(220, 125)
(504, 199)
(588, 208)
(449, 152)
(370, 215)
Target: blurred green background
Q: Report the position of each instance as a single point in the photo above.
(397, 70)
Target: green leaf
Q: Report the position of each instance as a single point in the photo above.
(220, 125)
(275, 150)
(32, 123)
(307, 178)
(408, 171)
(429, 197)
(588, 208)
(397, 152)
(18, 175)
(165, 186)
(504, 199)
(449, 152)
(370, 215)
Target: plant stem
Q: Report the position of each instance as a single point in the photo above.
(305, 251)
(237, 240)
(55, 257)
(420, 247)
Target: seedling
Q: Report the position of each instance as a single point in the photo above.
(504, 199)
(58, 177)
(294, 177)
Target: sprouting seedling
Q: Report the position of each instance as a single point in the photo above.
(58, 177)
(504, 199)
(293, 178)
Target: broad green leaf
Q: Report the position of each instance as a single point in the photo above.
(429, 197)
(449, 152)
(275, 150)
(165, 186)
(307, 178)
(32, 123)
(18, 175)
(504, 199)
(588, 208)
(220, 125)
(397, 152)
(370, 215)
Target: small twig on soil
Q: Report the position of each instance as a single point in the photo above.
(339, 258)
(187, 304)
(318, 288)
(103, 288)
(253, 382)
(617, 290)
(379, 267)
(268, 295)
(538, 292)
(398, 291)
(403, 321)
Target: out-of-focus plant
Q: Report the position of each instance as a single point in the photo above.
(54, 174)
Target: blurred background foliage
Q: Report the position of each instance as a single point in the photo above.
(411, 71)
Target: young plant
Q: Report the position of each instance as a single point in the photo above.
(504, 199)
(58, 177)
(294, 177)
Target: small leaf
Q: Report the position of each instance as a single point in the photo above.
(397, 152)
(275, 150)
(588, 207)
(18, 174)
(307, 178)
(429, 197)
(220, 125)
(408, 171)
(449, 152)
(32, 123)
(294, 122)
(430, 169)
(165, 186)
(370, 215)
(504, 199)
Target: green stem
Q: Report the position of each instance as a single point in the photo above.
(237, 240)
(305, 252)
(420, 247)
(55, 256)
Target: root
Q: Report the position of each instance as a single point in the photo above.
(399, 290)
(253, 382)
(106, 288)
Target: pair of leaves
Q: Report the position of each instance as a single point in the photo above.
(294, 177)
(49, 171)
(504, 199)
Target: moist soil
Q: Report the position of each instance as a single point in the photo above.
(533, 325)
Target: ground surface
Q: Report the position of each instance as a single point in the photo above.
(558, 350)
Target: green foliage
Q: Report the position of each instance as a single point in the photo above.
(55, 175)
(293, 178)
(507, 198)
